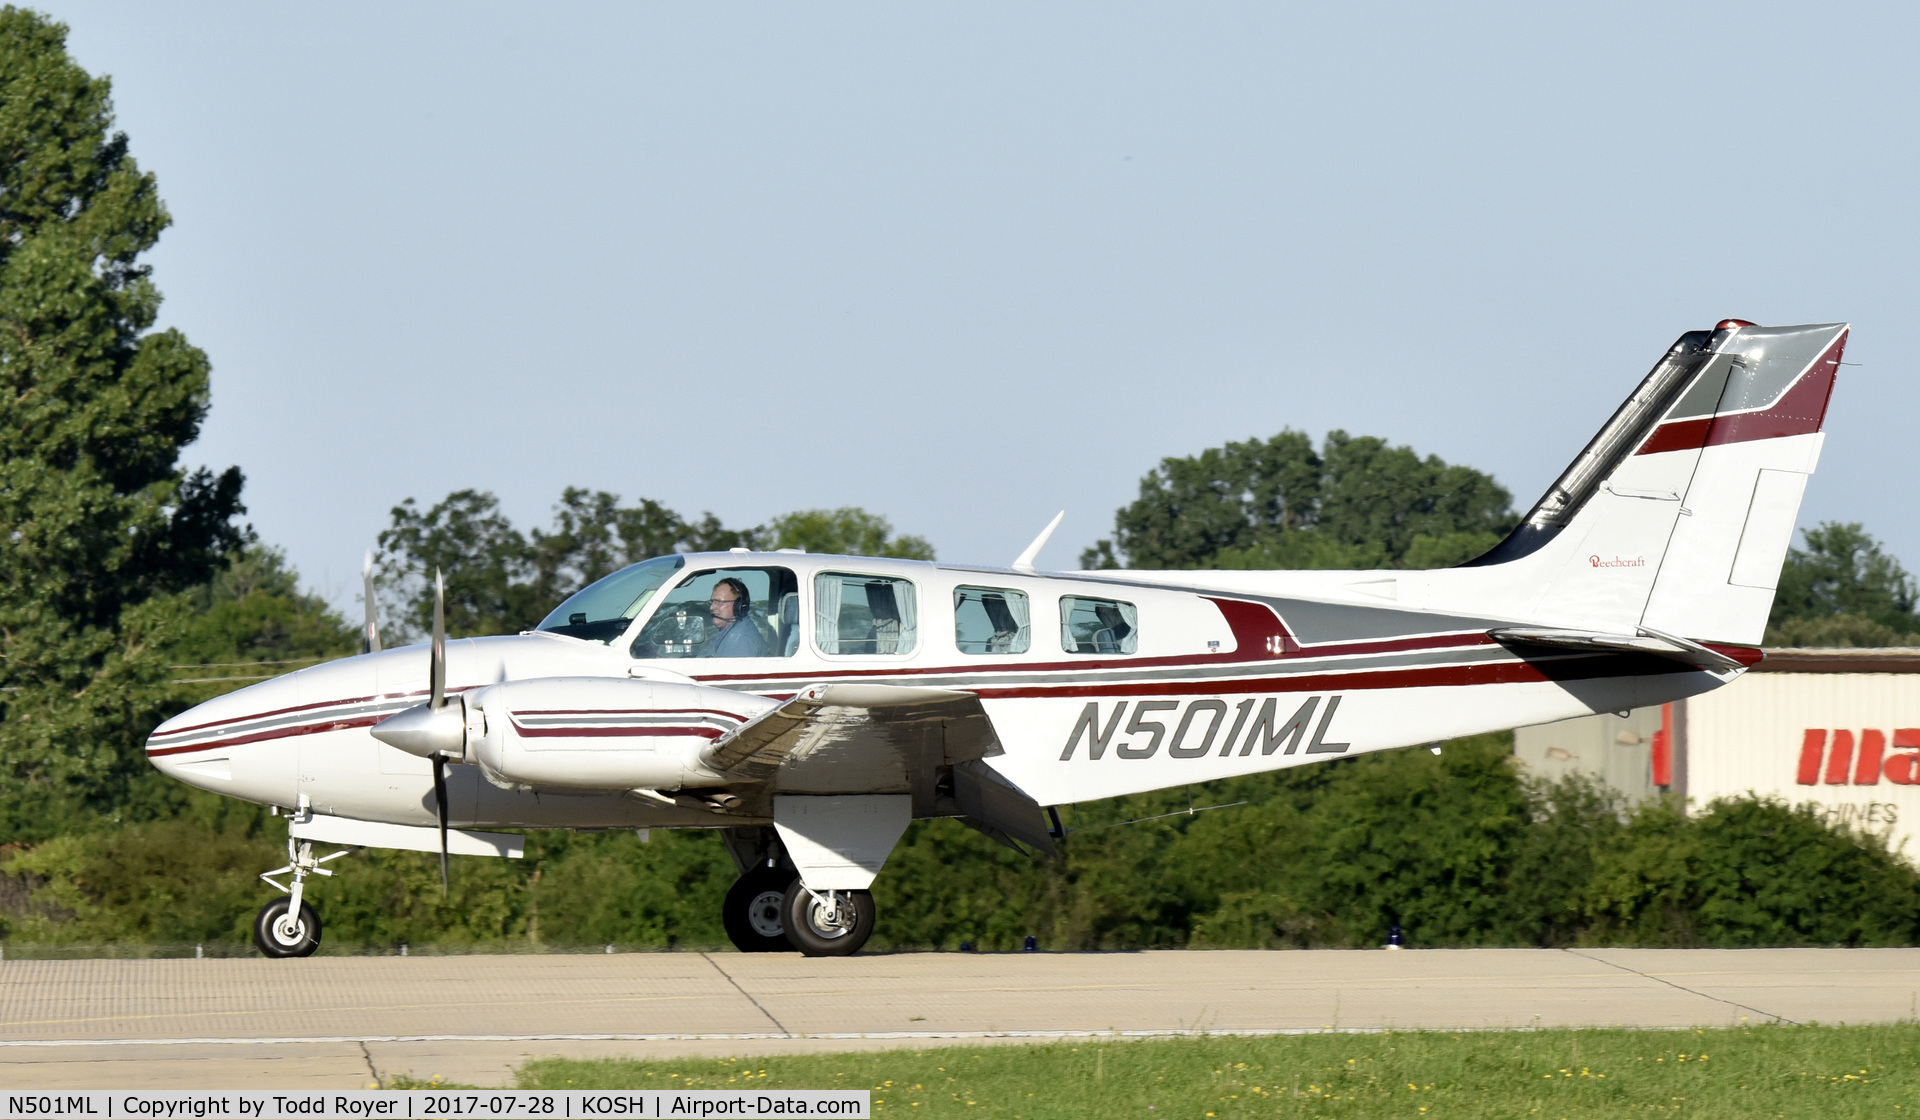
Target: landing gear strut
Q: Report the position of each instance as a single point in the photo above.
(289, 927)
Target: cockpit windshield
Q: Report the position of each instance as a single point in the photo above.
(602, 610)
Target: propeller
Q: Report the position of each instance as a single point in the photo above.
(440, 802)
(436, 702)
(435, 730)
(372, 634)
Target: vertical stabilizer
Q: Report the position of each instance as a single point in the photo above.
(1677, 516)
(1753, 423)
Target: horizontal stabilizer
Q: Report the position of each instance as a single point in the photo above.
(1650, 642)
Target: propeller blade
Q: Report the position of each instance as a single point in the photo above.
(372, 634)
(437, 675)
(440, 801)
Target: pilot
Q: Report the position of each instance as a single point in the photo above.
(734, 634)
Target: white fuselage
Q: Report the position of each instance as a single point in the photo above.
(1217, 683)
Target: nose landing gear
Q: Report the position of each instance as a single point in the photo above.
(279, 933)
(290, 927)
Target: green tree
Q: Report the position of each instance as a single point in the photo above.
(1843, 589)
(502, 581)
(848, 531)
(1278, 503)
(475, 547)
(105, 528)
(252, 621)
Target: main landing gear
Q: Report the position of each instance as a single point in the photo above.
(769, 910)
(753, 913)
(827, 923)
(289, 927)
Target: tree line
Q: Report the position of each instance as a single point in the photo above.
(131, 589)
(1458, 850)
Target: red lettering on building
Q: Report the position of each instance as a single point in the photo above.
(1839, 758)
(1904, 769)
(1841, 766)
(1866, 770)
(1813, 748)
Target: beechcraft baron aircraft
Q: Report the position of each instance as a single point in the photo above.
(809, 707)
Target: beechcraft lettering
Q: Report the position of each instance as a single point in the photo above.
(1199, 726)
(809, 708)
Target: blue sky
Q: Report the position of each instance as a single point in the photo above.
(967, 266)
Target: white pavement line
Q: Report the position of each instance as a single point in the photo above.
(832, 1036)
(1684, 988)
(708, 957)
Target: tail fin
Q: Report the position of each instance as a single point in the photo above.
(1676, 518)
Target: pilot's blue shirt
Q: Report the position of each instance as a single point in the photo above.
(742, 639)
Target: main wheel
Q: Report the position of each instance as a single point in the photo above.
(754, 911)
(278, 935)
(817, 933)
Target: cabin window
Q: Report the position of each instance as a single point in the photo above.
(1098, 625)
(991, 620)
(706, 615)
(855, 614)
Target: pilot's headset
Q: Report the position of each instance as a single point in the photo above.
(742, 602)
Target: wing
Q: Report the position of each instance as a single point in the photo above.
(869, 738)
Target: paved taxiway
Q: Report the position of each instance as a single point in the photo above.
(341, 1022)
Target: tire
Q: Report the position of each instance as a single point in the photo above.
(274, 940)
(815, 938)
(755, 909)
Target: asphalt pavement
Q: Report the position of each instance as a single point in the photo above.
(349, 1022)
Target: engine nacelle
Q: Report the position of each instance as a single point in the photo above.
(601, 732)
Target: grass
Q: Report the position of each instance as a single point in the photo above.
(1771, 1071)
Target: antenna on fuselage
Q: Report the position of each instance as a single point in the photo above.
(372, 634)
(1025, 561)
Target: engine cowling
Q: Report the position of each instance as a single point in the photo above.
(601, 732)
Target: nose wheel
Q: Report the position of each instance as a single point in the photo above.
(280, 931)
(827, 923)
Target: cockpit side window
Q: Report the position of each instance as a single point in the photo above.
(991, 620)
(861, 614)
(725, 612)
(1098, 625)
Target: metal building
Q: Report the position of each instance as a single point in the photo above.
(1839, 728)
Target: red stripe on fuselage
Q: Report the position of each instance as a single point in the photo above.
(312, 707)
(615, 732)
(1505, 672)
(1250, 650)
(735, 716)
(275, 733)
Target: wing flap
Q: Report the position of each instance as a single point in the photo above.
(879, 717)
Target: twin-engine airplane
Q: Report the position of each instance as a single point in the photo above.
(809, 707)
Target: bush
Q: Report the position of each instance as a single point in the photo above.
(1458, 849)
